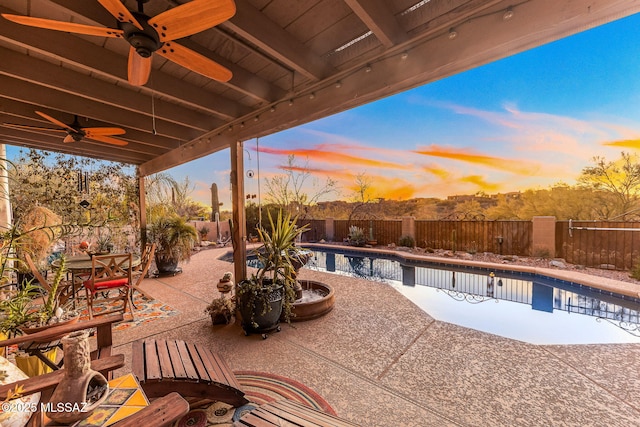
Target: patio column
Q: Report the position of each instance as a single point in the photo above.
(239, 231)
(142, 206)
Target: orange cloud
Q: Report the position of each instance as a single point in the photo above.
(439, 172)
(480, 182)
(333, 173)
(334, 156)
(467, 155)
(629, 143)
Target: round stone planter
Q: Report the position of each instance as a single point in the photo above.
(307, 310)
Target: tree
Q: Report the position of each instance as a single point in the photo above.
(620, 179)
(361, 197)
(288, 190)
(166, 196)
(53, 180)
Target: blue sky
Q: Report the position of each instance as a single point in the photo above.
(527, 121)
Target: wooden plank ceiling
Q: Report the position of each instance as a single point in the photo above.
(292, 62)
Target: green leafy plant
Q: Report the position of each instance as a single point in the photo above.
(277, 257)
(221, 309)
(174, 237)
(356, 236)
(204, 231)
(407, 241)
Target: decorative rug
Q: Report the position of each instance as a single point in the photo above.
(259, 388)
(148, 310)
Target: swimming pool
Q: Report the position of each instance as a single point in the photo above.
(517, 305)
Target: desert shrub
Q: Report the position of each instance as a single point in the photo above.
(407, 241)
(356, 236)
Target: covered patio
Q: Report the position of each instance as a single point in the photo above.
(381, 361)
(376, 358)
(289, 64)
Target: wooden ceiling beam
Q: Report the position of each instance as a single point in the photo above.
(242, 81)
(42, 141)
(50, 98)
(377, 16)
(21, 113)
(268, 36)
(534, 23)
(103, 62)
(43, 73)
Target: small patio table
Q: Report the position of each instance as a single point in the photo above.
(81, 265)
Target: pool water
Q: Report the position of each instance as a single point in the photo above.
(522, 306)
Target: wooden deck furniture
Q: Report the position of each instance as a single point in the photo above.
(140, 272)
(102, 360)
(110, 272)
(290, 413)
(161, 412)
(163, 366)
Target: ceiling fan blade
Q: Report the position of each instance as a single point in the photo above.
(67, 139)
(91, 132)
(15, 126)
(109, 140)
(194, 61)
(55, 121)
(191, 18)
(139, 68)
(120, 12)
(68, 27)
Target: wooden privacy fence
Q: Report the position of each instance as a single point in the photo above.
(602, 244)
(500, 237)
(317, 230)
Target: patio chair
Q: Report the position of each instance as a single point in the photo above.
(109, 272)
(65, 289)
(139, 274)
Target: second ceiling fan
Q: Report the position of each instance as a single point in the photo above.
(75, 132)
(148, 35)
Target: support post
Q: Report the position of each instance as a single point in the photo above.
(239, 232)
(142, 207)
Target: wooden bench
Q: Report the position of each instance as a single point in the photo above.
(164, 366)
(290, 413)
(162, 412)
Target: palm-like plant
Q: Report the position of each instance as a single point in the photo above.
(277, 257)
(174, 238)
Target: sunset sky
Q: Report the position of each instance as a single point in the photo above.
(527, 121)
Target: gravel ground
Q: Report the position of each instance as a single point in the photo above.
(528, 261)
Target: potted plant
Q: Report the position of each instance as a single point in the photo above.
(174, 239)
(267, 295)
(221, 310)
(204, 232)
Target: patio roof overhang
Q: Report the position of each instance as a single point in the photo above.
(292, 63)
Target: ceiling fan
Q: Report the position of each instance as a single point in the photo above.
(75, 132)
(147, 35)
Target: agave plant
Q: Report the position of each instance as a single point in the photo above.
(277, 256)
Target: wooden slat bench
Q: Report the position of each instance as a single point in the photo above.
(290, 413)
(164, 366)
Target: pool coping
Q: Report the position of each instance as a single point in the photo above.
(603, 283)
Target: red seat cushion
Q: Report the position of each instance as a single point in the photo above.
(109, 284)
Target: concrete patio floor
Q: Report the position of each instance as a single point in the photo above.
(381, 361)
